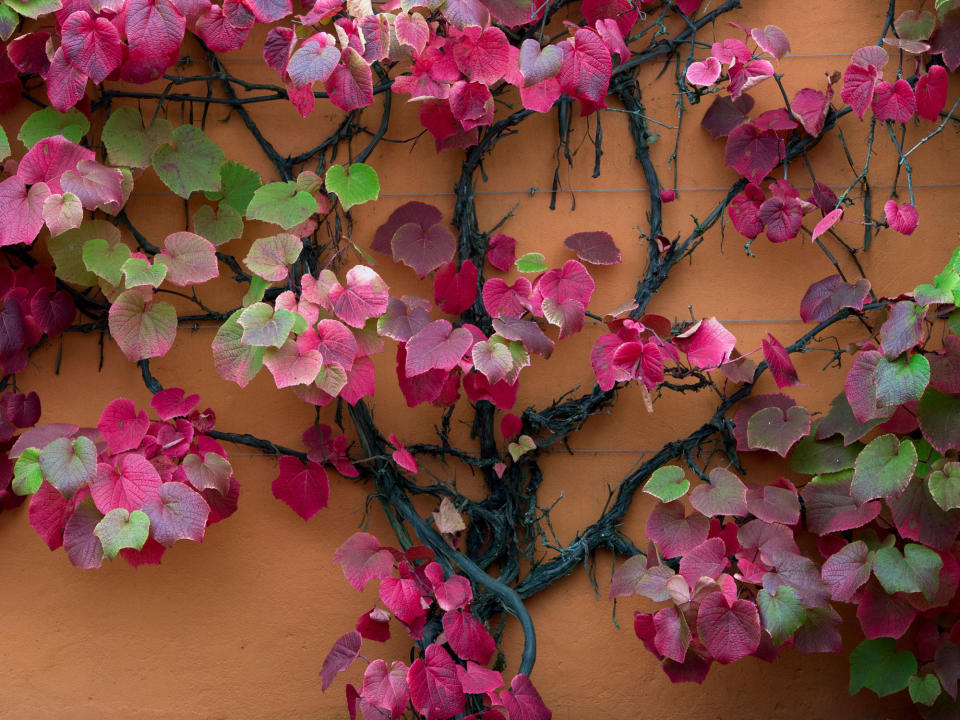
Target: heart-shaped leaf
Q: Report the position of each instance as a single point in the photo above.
(778, 430)
(729, 629)
(424, 250)
(781, 611)
(189, 162)
(234, 359)
(189, 259)
(270, 257)
(138, 272)
(917, 569)
(27, 475)
(218, 226)
(667, 483)
(69, 463)
(354, 185)
(876, 665)
(902, 380)
(121, 529)
(142, 328)
(281, 203)
(73, 125)
(265, 326)
(531, 263)
(725, 495)
(128, 143)
(177, 513)
(939, 417)
(883, 469)
(438, 346)
(944, 485)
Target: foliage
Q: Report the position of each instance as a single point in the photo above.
(734, 561)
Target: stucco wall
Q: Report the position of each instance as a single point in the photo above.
(238, 626)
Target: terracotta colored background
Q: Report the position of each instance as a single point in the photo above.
(238, 627)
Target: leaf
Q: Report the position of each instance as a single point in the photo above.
(233, 359)
(876, 665)
(177, 513)
(363, 560)
(190, 162)
(314, 61)
(68, 463)
(840, 420)
(121, 529)
(531, 263)
(902, 218)
(304, 488)
(424, 250)
(521, 447)
(270, 257)
(351, 84)
(21, 211)
(219, 226)
(667, 483)
(341, 656)
(781, 612)
(916, 570)
(73, 125)
(5, 144)
(129, 483)
(365, 296)
(902, 380)
(707, 343)
(924, 690)
(673, 531)
(83, 547)
(139, 272)
(385, 688)
(859, 82)
(265, 326)
(939, 417)
(847, 570)
(281, 203)
(708, 559)
(354, 185)
(435, 691)
(903, 329)
(725, 495)
(778, 360)
(730, 629)
(467, 636)
(189, 259)
(931, 93)
(703, 72)
(238, 183)
(27, 475)
(595, 247)
(91, 45)
(883, 469)
(438, 346)
(213, 472)
(128, 142)
(894, 102)
(142, 328)
(493, 359)
(753, 152)
(122, 426)
(943, 484)
(538, 64)
(778, 430)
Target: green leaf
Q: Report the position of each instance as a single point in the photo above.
(815, 457)
(237, 185)
(258, 286)
(926, 456)
(939, 418)
(121, 529)
(271, 257)
(190, 163)
(219, 226)
(781, 611)
(953, 322)
(353, 186)
(265, 326)
(68, 463)
(531, 263)
(667, 483)
(883, 468)
(521, 447)
(128, 143)
(233, 359)
(73, 125)
(27, 475)
(876, 665)
(924, 690)
(901, 381)
(104, 261)
(916, 570)
(34, 8)
(139, 271)
(9, 22)
(944, 486)
(4, 143)
(281, 203)
(67, 250)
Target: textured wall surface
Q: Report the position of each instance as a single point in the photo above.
(238, 626)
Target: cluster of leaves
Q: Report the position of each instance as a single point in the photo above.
(18, 411)
(433, 607)
(131, 486)
(31, 306)
(881, 496)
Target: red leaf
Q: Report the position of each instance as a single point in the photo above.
(946, 39)
(351, 84)
(420, 213)
(707, 343)
(435, 690)
(48, 514)
(305, 489)
(131, 484)
(471, 104)
(894, 102)
(478, 680)
(858, 87)
(571, 282)
(730, 630)
(782, 216)
(53, 312)
(455, 290)
(386, 688)
(931, 93)
(402, 596)
(523, 702)
(902, 218)
(340, 657)
(154, 26)
(402, 457)
(171, 403)
(744, 211)
(778, 360)
(91, 45)
(827, 296)
(482, 54)
(374, 625)
(810, 107)
(585, 71)
(501, 251)
(467, 636)
(673, 531)
(708, 559)
(122, 426)
(672, 636)
(595, 247)
(725, 114)
(753, 152)
(884, 615)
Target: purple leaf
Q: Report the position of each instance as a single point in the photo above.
(83, 547)
(725, 113)
(828, 296)
(341, 656)
(673, 531)
(772, 40)
(177, 513)
(438, 346)
(847, 570)
(596, 247)
(729, 629)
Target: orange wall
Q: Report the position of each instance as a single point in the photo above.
(238, 627)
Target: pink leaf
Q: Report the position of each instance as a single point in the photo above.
(456, 290)
(268, 11)
(142, 328)
(493, 359)
(155, 26)
(571, 282)
(471, 104)
(340, 657)
(585, 71)
(363, 560)
(364, 297)
(774, 503)
(829, 507)
(708, 559)
(828, 221)
(467, 636)
(753, 152)
(810, 107)
(502, 300)
(672, 636)
(730, 630)
(725, 495)
(778, 360)
(527, 332)
(704, 72)
(386, 688)
(539, 64)
(122, 426)
(438, 346)
(870, 55)
(351, 84)
(304, 488)
(130, 484)
(190, 259)
(65, 84)
(894, 102)
(21, 211)
(622, 12)
(48, 514)
(902, 218)
(91, 45)
(291, 364)
(826, 297)
(478, 680)
(772, 40)
(402, 457)
(412, 30)
(434, 688)
(177, 513)
(595, 247)
(501, 251)
(49, 159)
(744, 211)
(707, 343)
(782, 216)
(744, 76)
(482, 54)
(858, 86)
(673, 531)
(569, 316)
(423, 249)
(847, 570)
(314, 61)
(522, 700)
(931, 93)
